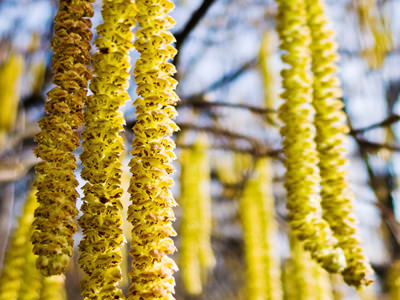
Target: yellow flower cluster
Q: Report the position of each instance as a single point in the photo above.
(151, 212)
(12, 275)
(54, 222)
(330, 122)
(297, 113)
(196, 256)
(374, 26)
(303, 278)
(393, 280)
(102, 146)
(256, 208)
(10, 75)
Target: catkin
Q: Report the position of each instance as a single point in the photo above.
(12, 274)
(393, 280)
(256, 208)
(304, 279)
(151, 212)
(302, 176)
(31, 278)
(102, 146)
(53, 288)
(54, 222)
(378, 39)
(268, 49)
(10, 78)
(196, 256)
(330, 122)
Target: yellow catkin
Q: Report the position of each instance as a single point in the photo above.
(54, 222)
(375, 28)
(302, 176)
(322, 283)
(10, 75)
(268, 49)
(330, 122)
(31, 278)
(304, 279)
(100, 248)
(196, 256)
(393, 280)
(206, 255)
(12, 274)
(151, 212)
(256, 208)
(53, 288)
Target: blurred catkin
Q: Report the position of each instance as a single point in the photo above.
(53, 288)
(31, 278)
(303, 278)
(393, 280)
(330, 122)
(10, 77)
(195, 252)
(302, 174)
(151, 212)
(101, 222)
(54, 222)
(256, 208)
(373, 27)
(269, 72)
(15, 261)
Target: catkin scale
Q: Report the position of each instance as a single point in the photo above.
(101, 221)
(331, 127)
(151, 211)
(54, 222)
(302, 176)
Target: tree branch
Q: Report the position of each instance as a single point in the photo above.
(199, 101)
(387, 122)
(197, 15)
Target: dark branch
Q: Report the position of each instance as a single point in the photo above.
(198, 101)
(228, 78)
(387, 122)
(191, 24)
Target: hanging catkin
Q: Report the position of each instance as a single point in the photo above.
(12, 274)
(31, 278)
(377, 38)
(330, 122)
(151, 211)
(256, 208)
(10, 78)
(304, 279)
(196, 256)
(102, 145)
(302, 176)
(54, 222)
(393, 280)
(53, 288)
(268, 49)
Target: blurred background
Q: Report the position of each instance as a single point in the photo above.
(228, 69)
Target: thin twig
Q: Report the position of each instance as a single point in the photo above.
(198, 101)
(387, 122)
